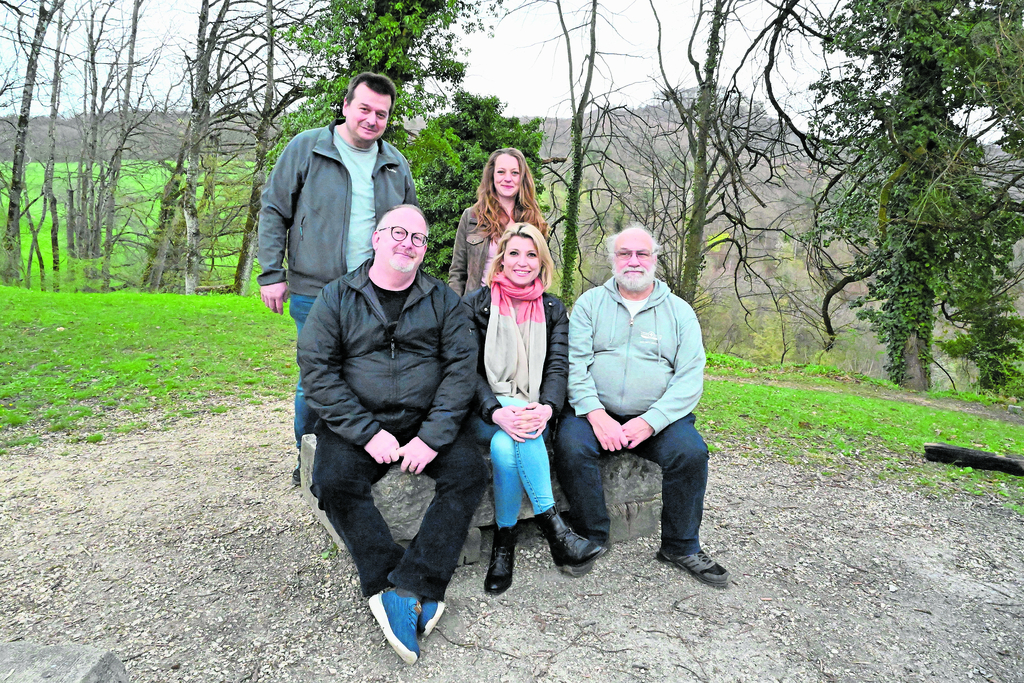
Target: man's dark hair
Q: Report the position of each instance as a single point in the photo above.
(382, 85)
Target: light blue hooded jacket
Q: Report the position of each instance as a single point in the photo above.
(651, 365)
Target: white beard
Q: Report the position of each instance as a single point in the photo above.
(402, 265)
(635, 282)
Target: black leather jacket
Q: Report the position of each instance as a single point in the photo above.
(360, 378)
(556, 360)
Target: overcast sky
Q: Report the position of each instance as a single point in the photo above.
(525, 64)
(524, 61)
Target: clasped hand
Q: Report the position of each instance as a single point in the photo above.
(614, 436)
(523, 422)
(415, 455)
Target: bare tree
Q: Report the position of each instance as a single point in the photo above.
(579, 102)
(272, 106)
(218, 73)
(10, 256)
(126, 124)
(49, 198)
(99, 80)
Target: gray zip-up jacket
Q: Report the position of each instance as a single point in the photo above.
(306, 205)
(651, 366)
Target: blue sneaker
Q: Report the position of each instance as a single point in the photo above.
(398, 618)
(429, 616)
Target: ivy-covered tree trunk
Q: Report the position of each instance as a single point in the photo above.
(580, 103)
(915, 194)
(693, 260)
(907, 316)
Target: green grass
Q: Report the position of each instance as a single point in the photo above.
(834, 431)
(70, 357)
(139, 192)
(725, 365)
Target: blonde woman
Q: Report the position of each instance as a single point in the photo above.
(522, 372)
(506, 194)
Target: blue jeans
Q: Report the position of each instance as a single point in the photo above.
(305, 417)
(342, 476)
(678, 449)
(518, 467)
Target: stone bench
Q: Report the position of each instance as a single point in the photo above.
(24, 662)
(632, 489)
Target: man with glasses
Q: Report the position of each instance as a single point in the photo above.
(636, 373)
(388, 362)
(326, 194)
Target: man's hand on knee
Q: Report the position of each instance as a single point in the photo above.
(383, 447)
(415, 456)
(607, 430)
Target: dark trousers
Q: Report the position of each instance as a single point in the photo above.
(680, 452)
(342, 476)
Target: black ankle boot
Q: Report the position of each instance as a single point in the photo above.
(567, 547)
(503, 557)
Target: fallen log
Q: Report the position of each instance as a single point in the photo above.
(968, 457)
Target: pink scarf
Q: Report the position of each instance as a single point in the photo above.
(503, 292)
(515, 346)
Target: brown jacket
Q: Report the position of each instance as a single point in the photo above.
(468, 256)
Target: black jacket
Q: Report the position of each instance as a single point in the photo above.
(359, 378)
(556, 359)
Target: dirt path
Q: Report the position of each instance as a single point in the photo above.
(187, 552)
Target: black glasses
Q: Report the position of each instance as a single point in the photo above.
(398, 233)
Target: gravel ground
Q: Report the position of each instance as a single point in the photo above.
(186, 552)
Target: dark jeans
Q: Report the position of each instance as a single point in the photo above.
(678, 449)
(305, 417)
(342, 476)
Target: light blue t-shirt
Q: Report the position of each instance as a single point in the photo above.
(363, 218)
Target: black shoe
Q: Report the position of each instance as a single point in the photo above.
(568, 549)
(297, 475)
(702, 567)
(503, 559)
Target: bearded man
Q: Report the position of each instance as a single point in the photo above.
(636, 373)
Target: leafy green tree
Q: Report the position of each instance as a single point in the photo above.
(448, 158)
(916, 196)
(993, 341)
(413, 42)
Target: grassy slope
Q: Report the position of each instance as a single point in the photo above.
(65, 358)
(141, 187)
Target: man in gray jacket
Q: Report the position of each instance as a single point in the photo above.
(636, 372)
(321, 204)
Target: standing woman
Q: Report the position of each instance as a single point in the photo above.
(506, 195)
(523, 368)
